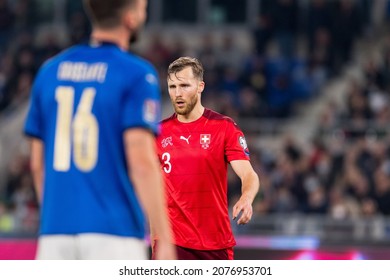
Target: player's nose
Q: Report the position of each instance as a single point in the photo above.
(178, 92)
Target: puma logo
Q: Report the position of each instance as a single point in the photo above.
(185, 139)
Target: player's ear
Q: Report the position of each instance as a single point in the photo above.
(201, 86)
(129, 18)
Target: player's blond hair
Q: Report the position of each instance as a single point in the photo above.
(185, 61)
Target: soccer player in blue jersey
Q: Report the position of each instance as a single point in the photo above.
(92, 120)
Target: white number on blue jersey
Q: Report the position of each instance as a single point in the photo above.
(84, 128)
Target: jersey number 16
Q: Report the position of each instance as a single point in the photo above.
(81, 132)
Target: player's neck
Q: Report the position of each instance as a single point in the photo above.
(195, 114)
(117, 36)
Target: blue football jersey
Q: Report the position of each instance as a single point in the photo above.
(81, 103)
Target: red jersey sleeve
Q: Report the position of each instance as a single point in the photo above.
(236, 147)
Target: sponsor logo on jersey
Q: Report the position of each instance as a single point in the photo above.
(166, 141)
(243, 144)
(205, 140)
(185, 139)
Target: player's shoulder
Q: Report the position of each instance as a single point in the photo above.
(49, 66)
(213, 115)
(139, 67)
(60, 57)
(168, 119)
(136, 63)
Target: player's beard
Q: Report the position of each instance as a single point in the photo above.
(187, 109)
(135, 34)
(134, 37)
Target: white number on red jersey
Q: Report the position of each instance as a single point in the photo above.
(166, 157)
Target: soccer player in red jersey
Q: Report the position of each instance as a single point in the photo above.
(195, 148)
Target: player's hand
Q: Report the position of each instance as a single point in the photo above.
(244, 206)
(165, 251)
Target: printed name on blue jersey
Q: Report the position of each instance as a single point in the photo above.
(82, 72)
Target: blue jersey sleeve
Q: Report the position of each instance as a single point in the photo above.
(33, 125)
(142, 103)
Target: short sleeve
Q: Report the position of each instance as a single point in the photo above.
(236, 147)
(142, 103)
(34, 121)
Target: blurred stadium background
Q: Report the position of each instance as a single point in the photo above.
(307, 80)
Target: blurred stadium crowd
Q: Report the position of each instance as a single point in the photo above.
(343, 172)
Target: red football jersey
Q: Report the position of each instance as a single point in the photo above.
(194, 158)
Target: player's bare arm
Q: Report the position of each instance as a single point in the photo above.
(249, 188)
(144, 171)
(37, 165)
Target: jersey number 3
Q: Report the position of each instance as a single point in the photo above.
(166, 157)
(81, 132)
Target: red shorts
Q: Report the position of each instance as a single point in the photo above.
(192, 254)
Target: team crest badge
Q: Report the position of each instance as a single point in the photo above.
(205, 140)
